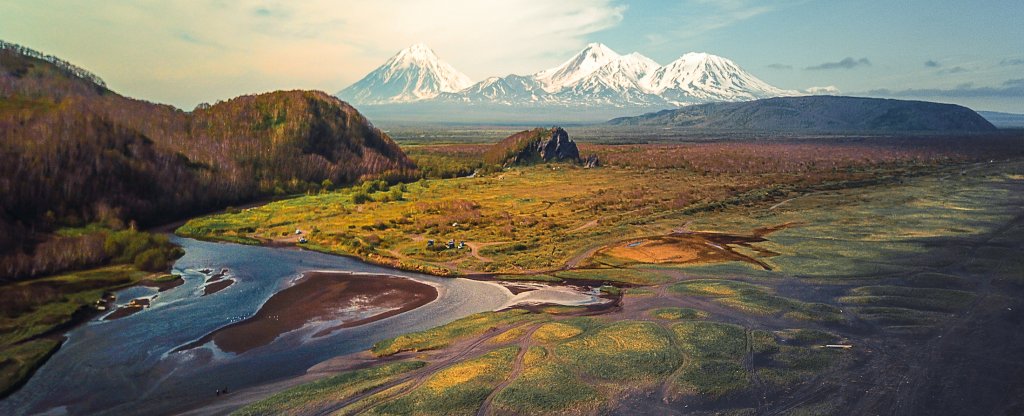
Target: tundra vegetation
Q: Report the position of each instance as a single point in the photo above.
(863, 247)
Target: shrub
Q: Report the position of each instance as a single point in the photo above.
(153, 260)
(360, 197)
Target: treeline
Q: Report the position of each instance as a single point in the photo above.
(447, 161)
(146, 251)
(75, 153)
(61, 64)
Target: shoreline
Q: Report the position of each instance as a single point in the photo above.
(315, 297)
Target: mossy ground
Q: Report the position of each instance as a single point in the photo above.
(861, 263)
(311, 396)
(525, 219)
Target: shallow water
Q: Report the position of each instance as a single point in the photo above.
(126, 366)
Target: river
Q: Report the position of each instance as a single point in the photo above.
(126, 366)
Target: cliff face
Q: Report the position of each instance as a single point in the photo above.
(558, 147)
(532, 146)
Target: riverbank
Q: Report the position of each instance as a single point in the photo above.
(132, 364)
(36, 313)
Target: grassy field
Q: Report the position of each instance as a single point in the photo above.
(443, 335)
(875, 249)
(311, 396)
(543, 217)
(675, 313)
(570, 364)
(756, 300)
(456, 390)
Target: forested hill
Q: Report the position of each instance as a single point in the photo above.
(74, 152)
(818, 114)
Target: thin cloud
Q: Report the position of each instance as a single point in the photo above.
(779, 66)
(1013, 88)
(698, 17)
(828, 90)
(931, 64)
(846, 63)
(1012, 62)
(954, 70)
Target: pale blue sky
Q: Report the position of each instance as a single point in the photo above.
(191, 51)
(933, 47)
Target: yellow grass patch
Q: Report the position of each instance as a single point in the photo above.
(555, 331)
(508, 336)
(457, 374)
(654, 251)
(534, 355)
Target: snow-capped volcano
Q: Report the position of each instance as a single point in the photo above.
(590, 59)
(620, 82)
(701, 77)
(413, 74)
(596, 77)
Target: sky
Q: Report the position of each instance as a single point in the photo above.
(186, 52)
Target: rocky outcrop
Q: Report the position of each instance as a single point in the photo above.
(558, 147)
(536, 146)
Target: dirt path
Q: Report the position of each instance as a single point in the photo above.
(517, 368)
(583, 227)
(577, 259)
(772, 208)
(455, 355)
(474, 249)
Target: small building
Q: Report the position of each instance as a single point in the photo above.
(462, 245)
(451, 244)
(430, 243)
(303, 240)
(297, 232)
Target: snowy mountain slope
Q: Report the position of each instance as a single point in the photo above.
(617, 83)
(589, 60)
(413, 74)
(701, 77)
(508, 90)
(597, 76)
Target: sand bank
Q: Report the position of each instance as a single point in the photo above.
(326, 301)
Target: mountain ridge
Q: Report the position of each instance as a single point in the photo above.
(597, 76)
(819, 114)
(1004, 120)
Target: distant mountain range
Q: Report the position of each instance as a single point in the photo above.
(597, 78)
(1004, 120)
(818, 114)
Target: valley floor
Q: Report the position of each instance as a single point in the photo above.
(917, 270)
